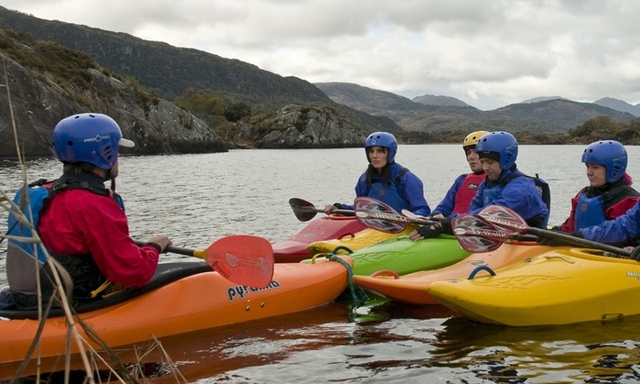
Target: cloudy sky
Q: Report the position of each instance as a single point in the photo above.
(485, 53)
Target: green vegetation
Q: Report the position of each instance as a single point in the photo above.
(602, 127)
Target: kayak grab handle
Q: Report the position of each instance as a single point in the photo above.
(341, 248)
(481, 268)
(385, 272)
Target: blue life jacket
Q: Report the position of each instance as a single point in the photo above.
(389, 194)
(591, 207)
(589, 211)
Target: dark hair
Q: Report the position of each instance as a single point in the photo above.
(77, 168)
(385, 172)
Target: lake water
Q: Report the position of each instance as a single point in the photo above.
(196, 199)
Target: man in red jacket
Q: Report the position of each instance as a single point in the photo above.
(81, 223)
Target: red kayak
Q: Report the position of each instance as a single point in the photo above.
(294, 249)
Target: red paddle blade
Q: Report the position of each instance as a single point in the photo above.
(243, 259)
(379, 216)
(504, 217)
(476, 235)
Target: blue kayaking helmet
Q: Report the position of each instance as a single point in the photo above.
(500, 146)
(382, 139)
(609, 153)
(89, 137)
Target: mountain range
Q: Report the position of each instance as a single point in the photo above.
(168, 71)
(549, 115)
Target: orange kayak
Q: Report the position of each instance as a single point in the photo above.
(412, 287)
(294, 249)
(201, 300)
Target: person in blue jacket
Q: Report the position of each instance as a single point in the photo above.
(622, 229)
(464, 188)
(609, 193)
(504, 185)
(387, 180)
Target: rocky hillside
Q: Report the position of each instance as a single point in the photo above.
(47, 82)
(295, 126)
(167, 71)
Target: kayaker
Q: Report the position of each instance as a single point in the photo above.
(81, 223)
(464, 188)
(504, 185)
(608, 195)
(624, 229)
(387, 180)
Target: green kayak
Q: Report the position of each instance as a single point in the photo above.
(401, 255)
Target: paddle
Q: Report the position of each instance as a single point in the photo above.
(476, 235)
(508, 219)
(241, 259)
(378, 215)
(306, 211)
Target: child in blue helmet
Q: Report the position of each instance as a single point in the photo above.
(387, 180)
(608, 195)
(504, 185)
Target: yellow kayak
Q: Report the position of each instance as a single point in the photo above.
(562, 286)
(412, 288)
(355, 241)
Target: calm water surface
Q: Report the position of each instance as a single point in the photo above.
(198, 198)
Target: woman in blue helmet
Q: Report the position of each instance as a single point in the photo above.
(387, 180)
(609, 193)
(503, 185)
(81, 223)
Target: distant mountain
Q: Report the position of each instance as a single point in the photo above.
(619, 105)
(167, 71)
(440, 100)
(549, 114)
(560, 112)
(542, 98)
(366, 99)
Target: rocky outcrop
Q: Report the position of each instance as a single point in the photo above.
(295, 126)
(155, 125)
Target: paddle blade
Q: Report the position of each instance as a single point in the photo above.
(416, 218)
(476, 235)
(243, 259)
(379, 216)
(504, 217)
(303, 209)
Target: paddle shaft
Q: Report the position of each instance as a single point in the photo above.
(337, 211)
(578, 241)
(508, 218)
(199, 253)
